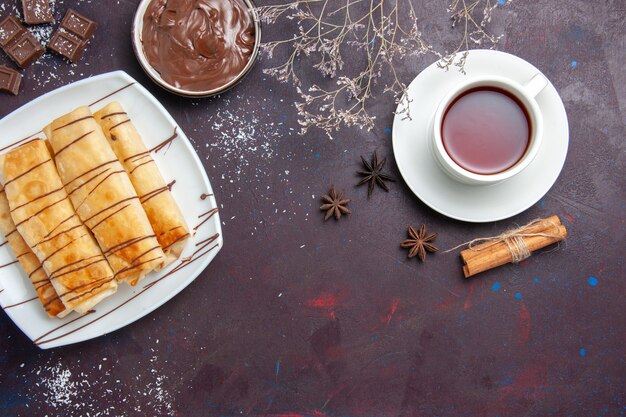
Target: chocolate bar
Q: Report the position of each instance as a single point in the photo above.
(9, 80)
(67, 45)
(10, 28)
(37, 12)
(78, 24)
(25, 50)
(19, 44)
(72, 36)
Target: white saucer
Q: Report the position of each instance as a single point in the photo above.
(469, 202)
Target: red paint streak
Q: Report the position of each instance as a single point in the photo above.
(325, 300)
(528, 383)
(394, 306)
(468, 299)
(569, 217)
(327, 303)
(446, 304)
(523, 324)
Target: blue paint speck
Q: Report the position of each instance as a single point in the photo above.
(277, 368)
(501, 2)
(583, 352)
(573, 64)
(535, 279)
(593, 281)
(542, 203)
(388, 130)
(506, 382)
(518, 295)
(317, 155)
(495, 286)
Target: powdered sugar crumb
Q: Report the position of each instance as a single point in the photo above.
(83, 392)
(238, 133)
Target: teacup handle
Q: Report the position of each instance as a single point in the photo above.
(536, 84)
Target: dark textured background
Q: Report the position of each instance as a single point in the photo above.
(297, 317)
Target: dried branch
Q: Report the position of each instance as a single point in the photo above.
(326, 28)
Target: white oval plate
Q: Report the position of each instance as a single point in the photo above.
(466, 202)
(178, 162)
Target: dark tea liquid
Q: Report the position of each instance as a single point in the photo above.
(486, 130)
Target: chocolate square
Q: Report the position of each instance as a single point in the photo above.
(10, 29)
(78, 24)
(67, 45)
(37, 11)
(25, 50)
(9, 80)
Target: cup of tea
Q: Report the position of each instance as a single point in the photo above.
(488, 129)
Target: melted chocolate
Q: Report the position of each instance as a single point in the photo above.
(140, 165)
(156, 192)
(75, 140)
(59, 234)
(56, 275)
(110, 94)
(36, 198)
(113, 114)
(198, 45)
(72, 122)
(20, 303)
(109, 207)
(109, 175)
(209, 214)
(114, 126)
(91, 170)
(20, 141)
(41, 211)
(109, 216)
(120, 246)
(89, 180)
(27, 172)
(9, 264)
(181, 237)
(63, 325)
(58, 225)
(55, 272)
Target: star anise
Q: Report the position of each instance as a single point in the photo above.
(373, 174)
(420, 242)
(335, 204)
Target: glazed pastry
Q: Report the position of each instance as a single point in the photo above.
(46, 293)
(157, 201)
(103, 196)
(45, 218)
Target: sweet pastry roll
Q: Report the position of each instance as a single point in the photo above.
(45, 218)
(103, 196)
(163, 213)
(33, 268)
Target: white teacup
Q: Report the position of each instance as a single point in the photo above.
(524, 93)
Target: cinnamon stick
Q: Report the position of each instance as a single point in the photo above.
(494, 253)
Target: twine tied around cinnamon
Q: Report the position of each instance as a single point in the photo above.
(514, 239)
